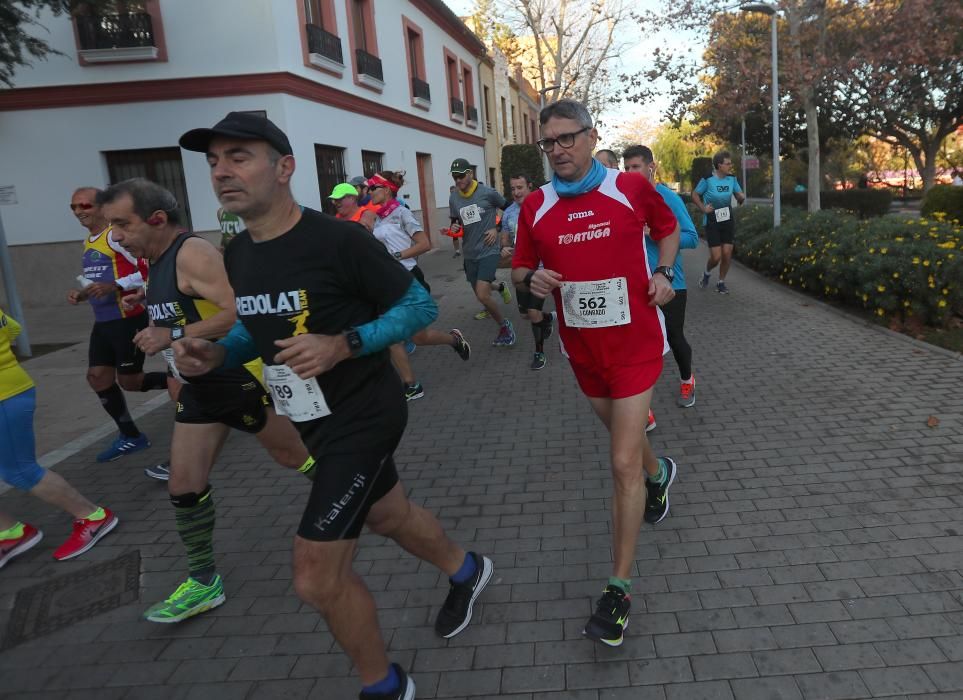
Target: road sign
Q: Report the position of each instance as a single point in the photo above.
(752, 163)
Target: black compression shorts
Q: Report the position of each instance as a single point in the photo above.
(527, 300)
(112, 344)
(241, 405)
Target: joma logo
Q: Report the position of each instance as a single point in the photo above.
(580, 215)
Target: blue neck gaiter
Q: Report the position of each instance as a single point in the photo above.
(593, 178)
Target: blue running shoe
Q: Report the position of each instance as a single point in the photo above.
(506, 335)
(123, 446)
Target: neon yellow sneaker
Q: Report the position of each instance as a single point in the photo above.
(191, 598)
(481, 315)
(506, 294)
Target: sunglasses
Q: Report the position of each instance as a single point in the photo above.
(83, 206)
(459, 176)
(372, 188)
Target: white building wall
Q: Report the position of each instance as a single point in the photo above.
(203, 37)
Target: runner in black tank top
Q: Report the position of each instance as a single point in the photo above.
(188, 295)
(320, 301)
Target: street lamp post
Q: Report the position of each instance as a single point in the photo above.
(767, 9)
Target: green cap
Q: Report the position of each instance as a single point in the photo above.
(460, 165)
(343, 190)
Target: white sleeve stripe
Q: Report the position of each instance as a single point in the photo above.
(550, 200)
(609, 188)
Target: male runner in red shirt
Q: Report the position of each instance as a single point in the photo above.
(586, 227)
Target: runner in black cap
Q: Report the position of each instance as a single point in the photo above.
(321, 304)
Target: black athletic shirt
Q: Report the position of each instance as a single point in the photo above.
(323, 276)
(168, 307)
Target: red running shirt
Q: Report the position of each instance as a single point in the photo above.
(598, 236)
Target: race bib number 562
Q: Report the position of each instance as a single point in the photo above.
(598, 304)
(298, 399)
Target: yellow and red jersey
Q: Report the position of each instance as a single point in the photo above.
(13, 379)
(105, 260)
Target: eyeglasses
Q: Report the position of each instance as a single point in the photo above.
(83, 206)
(459, 176)
(563, 140)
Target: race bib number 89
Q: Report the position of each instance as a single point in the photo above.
(599, 304)
(298, 399)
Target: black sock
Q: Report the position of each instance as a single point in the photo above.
(112, 399)
(538, 330)
(153, 381)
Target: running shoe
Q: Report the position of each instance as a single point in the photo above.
(538, 361)
(18, 545)
(161, 472)
(547, 323)
(722, 288)
(461, 345)
(455, 614)
(415, 391)
(191, 598)
(410, 347)
(650, 423)
(610, 618)
(457, 254)
(687, 394)
(506, 293)
(657, 495)
(506, 335)
(704, 282)
(481, 315)
(406, 691)
(122, 446)
(85, 535)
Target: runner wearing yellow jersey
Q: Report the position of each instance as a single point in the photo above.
(189, 296)
(19, 468)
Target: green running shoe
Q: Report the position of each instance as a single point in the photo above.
(506, 293)
(191, 598)
(481, 315)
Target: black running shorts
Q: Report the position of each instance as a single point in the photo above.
(527, 300)
(354, 456)
(720, 232)
(112, 344)
(241, 405)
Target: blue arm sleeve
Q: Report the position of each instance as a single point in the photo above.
(412, 312)
(240, 346)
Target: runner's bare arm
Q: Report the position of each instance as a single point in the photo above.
(201, 273)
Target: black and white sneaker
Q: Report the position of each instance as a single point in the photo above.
(657, 495)
(406, 691)
(461, 345)
(610, 618)
(455, 614)
(161, 472)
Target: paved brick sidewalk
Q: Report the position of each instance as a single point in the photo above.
(814, 550)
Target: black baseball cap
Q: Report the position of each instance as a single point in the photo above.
(460, 165)
(238, 125)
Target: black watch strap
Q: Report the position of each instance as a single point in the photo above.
(354, 341)
(666, 272)
(177, 332)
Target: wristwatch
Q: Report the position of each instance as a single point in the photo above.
(354, 341)
(398, 255)
(177, 332)
(666, 272)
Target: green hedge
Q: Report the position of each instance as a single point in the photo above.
(522, 158)
(863, 203)
(889, 266)
(946, 200)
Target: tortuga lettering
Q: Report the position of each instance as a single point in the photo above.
(596, 232)
(285, 302)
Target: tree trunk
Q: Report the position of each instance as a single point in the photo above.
(812, 133)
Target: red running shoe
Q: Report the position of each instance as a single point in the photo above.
(650, 424)
(11, 548)
(85, 535)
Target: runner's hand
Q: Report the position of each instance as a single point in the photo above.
(194, 356)
(491, 236)
(310, 354)
(129, 301)
(75, 296)
(507, 251)
(98, 290)
(543, 282)
(660, 290)
(455, 227)
(709, 209)
(153, 339)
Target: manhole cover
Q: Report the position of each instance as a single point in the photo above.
(53, 605)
